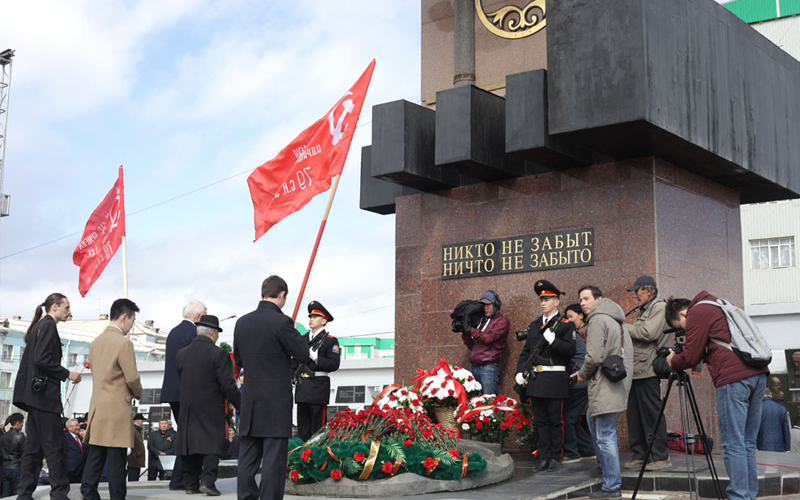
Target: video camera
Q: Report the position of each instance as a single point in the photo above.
(663, 352)
(522, 335)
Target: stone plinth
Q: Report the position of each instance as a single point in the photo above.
(648, 217)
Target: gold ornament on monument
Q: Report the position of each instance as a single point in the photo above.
(512, 21)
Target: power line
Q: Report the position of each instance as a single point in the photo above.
(367, 311)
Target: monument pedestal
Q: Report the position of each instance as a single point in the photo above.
(646, 215)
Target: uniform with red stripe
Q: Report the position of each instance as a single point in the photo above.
(312, 394)
(551, 338)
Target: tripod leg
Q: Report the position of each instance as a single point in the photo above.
(688, 440)
(651, 438)
(704, 439)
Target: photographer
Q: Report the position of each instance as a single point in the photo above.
(740, 387)
(542, 370)
(37, 390)
(486, 343)
(644, 400)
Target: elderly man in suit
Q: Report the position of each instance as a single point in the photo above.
(178, 338)
(76, 451)
(264, 343)
(109, 429)
(206, 380)
(37, 390)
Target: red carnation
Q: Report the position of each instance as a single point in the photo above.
(306, 455)
(429, 463)
(518, 425)
(331, 434)
(87, 365)
(415, 402)
(434, 390)
(451, 392)
(444, 384)
(454, 453)
(407, 443)
(295, 475)
(392, 398)
(478, 424)
(387, 467)
(359, 457)
(336, 474)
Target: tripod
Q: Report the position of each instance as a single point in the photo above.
(687, 403)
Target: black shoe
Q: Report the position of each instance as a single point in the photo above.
(601, 493)
(596, 471)
(545, 464)
(210, 490)
(192, 492)
(555, 465)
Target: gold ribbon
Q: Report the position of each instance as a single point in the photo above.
(367, 433)
(464, 465)
(370, 463)
(325, 464)
(397, 464)
(330, 452)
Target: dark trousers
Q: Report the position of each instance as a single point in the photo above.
(95, 462)
(10, 481)
(199, 470)
(134, 473)
(272, 452)
(45, 440)
(547, 416)
(176, 482)
(154, 472)
(644, 401)
(577, 441)
(310, 419)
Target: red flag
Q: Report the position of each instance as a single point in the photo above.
(102, 237)
(305, 167)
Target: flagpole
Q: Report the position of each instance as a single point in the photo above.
(316, 246)
(125, 265)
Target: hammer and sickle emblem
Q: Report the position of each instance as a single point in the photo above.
(336, 130)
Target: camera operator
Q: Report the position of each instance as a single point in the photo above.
(37, 390)
(486, 343)
(542, 369)
(644, 400)
(740, 387)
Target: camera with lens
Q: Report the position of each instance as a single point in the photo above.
(522, 335)
(39, 383)
(660, 365)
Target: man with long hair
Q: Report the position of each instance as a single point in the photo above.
(37, 390)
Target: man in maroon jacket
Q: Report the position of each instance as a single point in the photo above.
(739, 386)
(486, 343)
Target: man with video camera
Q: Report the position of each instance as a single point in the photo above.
(486, 343)
(739, 386)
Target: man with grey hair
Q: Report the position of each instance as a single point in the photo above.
(178, 338)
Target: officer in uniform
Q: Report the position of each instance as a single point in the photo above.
(542, 369)
(312, 383)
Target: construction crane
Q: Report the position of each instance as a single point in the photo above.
(5, 91)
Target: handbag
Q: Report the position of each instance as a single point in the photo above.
(613, 367)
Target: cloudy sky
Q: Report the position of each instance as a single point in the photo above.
(184, 94)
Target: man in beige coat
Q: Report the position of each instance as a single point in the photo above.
(606, 335)
(116, 383)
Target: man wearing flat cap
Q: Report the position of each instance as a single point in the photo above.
(313, 385)
(206, 381)
(542, 370)
(644, 399)
(136, 459)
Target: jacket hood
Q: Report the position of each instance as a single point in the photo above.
(609, 308)
(704, 295)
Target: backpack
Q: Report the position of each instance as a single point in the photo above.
(746, 339)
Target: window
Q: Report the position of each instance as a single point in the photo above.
(5, 382)
(771, 253)
(5, 407)
(350, 394)
(159, 412)
(8, 353)
(21, 351)
(151, 396)
(72, 359)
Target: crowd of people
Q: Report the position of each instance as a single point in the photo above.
(587, 357)
(569, 362)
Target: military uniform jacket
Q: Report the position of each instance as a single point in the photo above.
(317, 390)
(264, 341)
(42, 358)
(549, 384)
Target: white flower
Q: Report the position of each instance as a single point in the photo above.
(465, 426)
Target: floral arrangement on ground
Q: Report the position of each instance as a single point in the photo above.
(492, 418)
(446, 385)
(377, 443)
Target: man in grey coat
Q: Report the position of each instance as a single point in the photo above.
(644, 400)
(606, 336)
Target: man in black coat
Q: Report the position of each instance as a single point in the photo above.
(11, 445)
(159, 443)
(206, 380)
(76, 452)
(264, 342)
(313, 385)
(37, 390)
(178, 338)
(543, 367)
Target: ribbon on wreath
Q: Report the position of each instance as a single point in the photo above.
(374, 447)
(461, 394)
(464, 466)
(467, 416)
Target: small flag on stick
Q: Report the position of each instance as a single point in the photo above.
(305, 167)
(101, 238)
